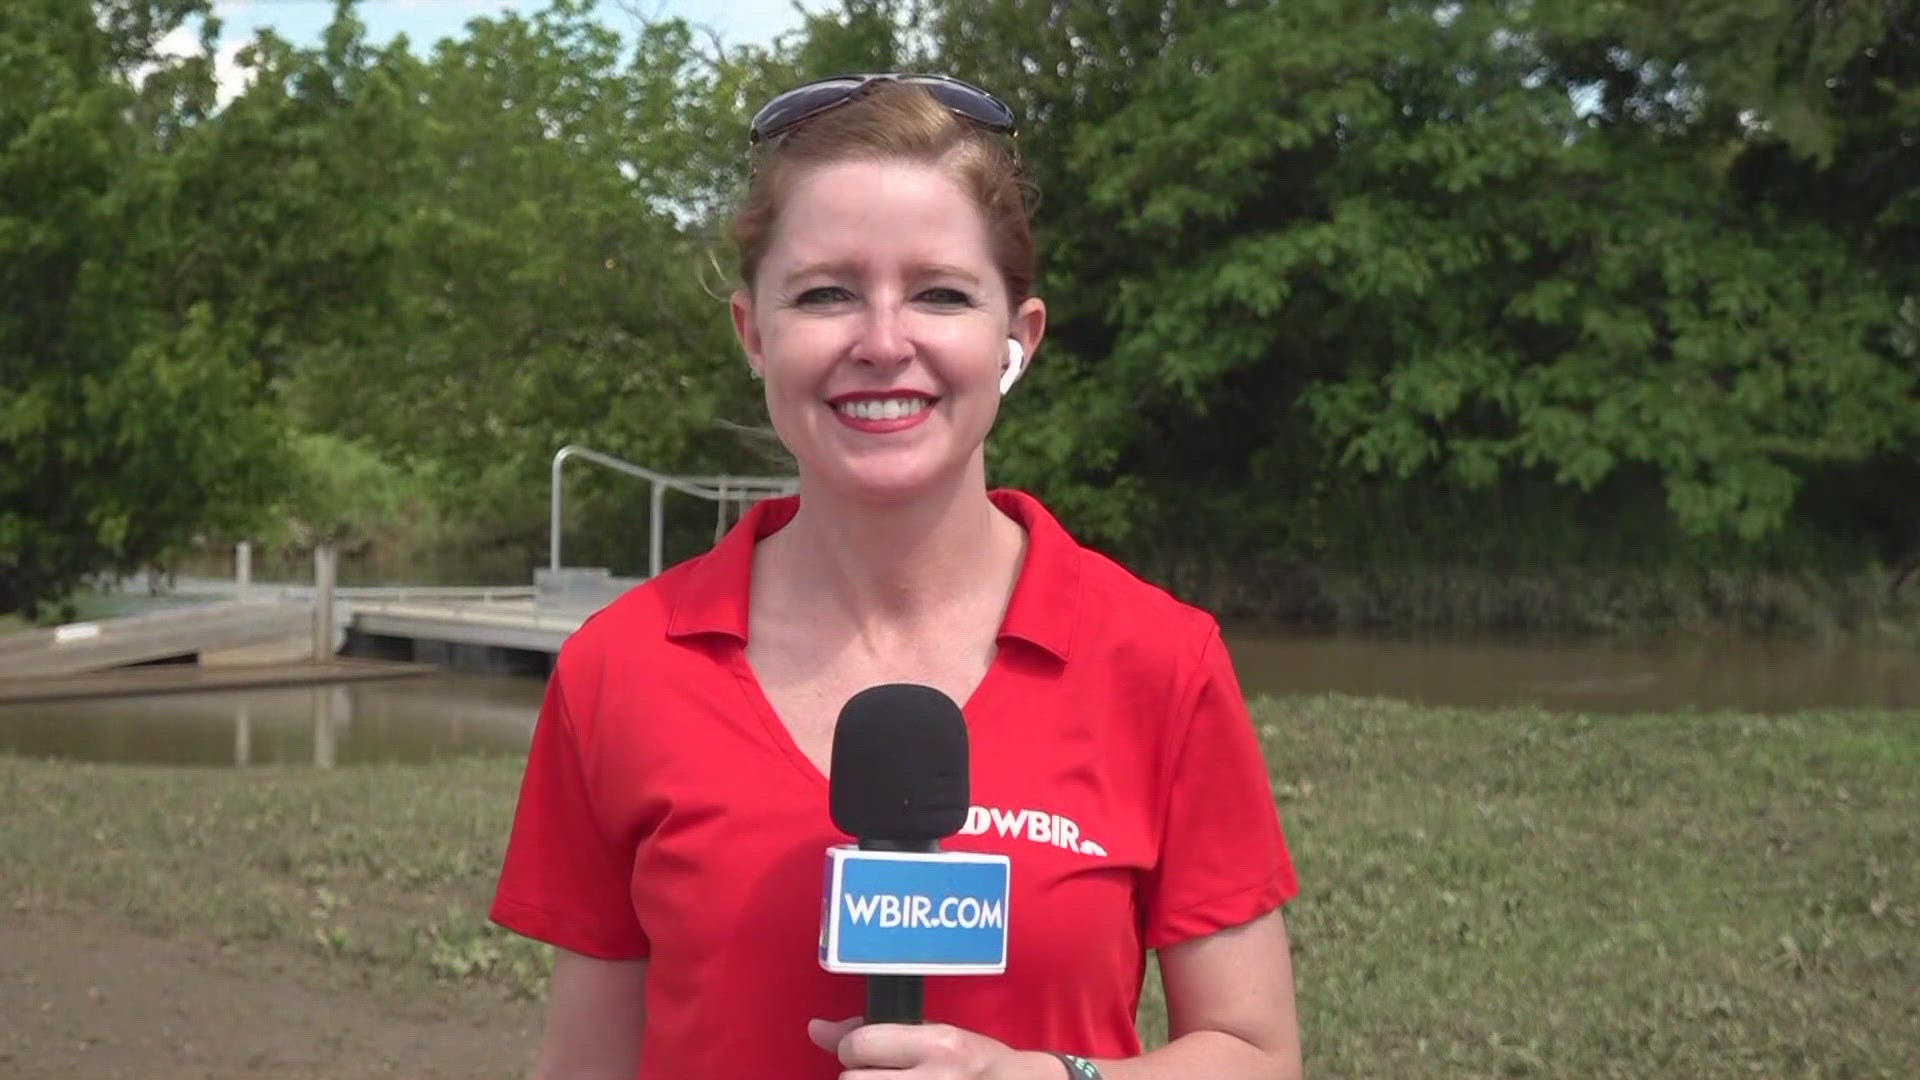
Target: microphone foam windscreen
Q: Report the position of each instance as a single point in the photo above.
(899, 769)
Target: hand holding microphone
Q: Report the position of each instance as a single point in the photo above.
(930, 1051)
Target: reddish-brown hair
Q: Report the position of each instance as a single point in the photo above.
(897, 122)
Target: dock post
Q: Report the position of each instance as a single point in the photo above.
(323, 569)
(242, 569)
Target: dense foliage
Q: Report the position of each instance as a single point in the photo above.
(1509, 284)
(131, 413)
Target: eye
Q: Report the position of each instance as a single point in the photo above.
(822, 296)
(944, 297)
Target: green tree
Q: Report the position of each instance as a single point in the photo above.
(128, 424)
(1294, 245)
(461, 262)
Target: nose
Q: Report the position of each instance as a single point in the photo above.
(883, 339)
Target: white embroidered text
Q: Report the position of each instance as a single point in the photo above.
(1034, 826)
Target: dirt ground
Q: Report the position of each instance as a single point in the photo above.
(86, 997)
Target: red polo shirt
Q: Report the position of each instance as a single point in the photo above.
(666, 813)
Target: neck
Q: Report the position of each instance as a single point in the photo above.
(898, 564)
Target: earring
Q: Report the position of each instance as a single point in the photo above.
(754, 373)
(1016, 365)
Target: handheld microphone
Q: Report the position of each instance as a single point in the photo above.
(898, 785)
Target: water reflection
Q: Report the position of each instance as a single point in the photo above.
(326, 722)
(402, 720)
(419, 719)
(1698, 674)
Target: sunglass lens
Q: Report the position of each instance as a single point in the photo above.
(799, 103)
(974, 104)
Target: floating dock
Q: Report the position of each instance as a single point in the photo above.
(279, 639)
(276, 635)
(186, 678)
(236, 632)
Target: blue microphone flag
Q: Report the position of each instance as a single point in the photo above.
(914, 913)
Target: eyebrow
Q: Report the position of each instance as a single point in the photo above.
(950, 270)
(835, 268)
(828, 268)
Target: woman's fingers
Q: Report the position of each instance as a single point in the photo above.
(827, 1034)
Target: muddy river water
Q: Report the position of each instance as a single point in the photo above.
(447, 714)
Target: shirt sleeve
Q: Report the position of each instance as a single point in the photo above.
(1223, 858)
(565, 881)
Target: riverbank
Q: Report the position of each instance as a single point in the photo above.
(1876, 606)
(1486, 892)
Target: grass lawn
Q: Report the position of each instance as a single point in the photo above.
(1506, 893)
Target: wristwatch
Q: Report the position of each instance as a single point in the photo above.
(1078, 1068)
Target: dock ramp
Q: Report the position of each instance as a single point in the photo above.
(237, 631)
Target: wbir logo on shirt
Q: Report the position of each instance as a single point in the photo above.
(1033, 826)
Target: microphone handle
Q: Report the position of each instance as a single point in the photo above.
(897, 999)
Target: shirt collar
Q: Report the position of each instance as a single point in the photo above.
(1042, 612)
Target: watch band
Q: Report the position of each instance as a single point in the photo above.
(1078, 1068)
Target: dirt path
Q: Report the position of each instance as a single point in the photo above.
(86, 997)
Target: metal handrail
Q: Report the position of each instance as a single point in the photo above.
(484, 594)
(716, 489)
(782, 483)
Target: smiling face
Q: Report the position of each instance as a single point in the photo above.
(880, 322)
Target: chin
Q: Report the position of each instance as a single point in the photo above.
(872, 484)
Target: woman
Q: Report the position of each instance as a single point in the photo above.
(673, 816)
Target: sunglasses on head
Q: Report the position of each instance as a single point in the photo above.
(808, 100)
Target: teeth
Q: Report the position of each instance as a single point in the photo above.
(883, 408)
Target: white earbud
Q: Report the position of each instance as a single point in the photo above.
(1016, 364)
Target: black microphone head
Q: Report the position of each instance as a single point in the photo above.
(899, 765)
